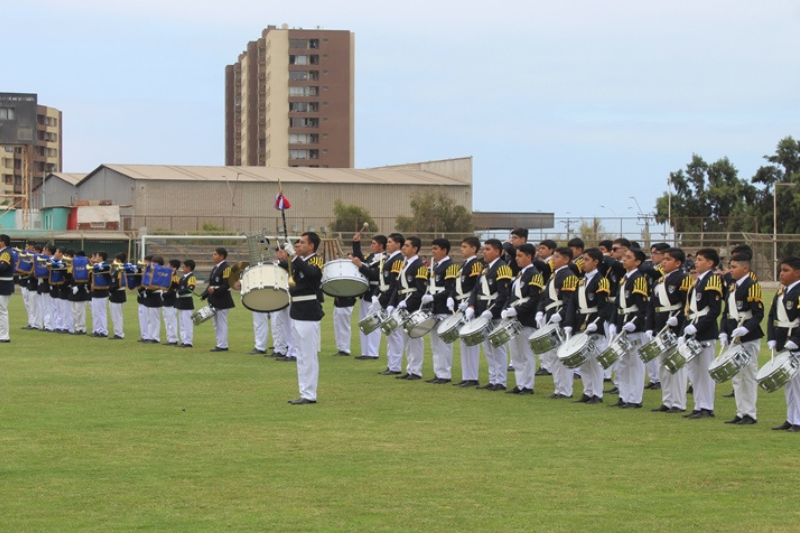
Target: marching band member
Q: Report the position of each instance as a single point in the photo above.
(342, 318)
(783, 333)
(612, 269)
(488, 298)
(27, 283)
(466, 279)
(66, 292)
(117, 296)
(48, 297)
(141, 300)
(523, 301)
(40, 275)
(153, 301)
(219, 297)
(519, 236)
(551, 310)
(588, 311)
(369, 267)
(631, 311)
(306, 311)
(744, 311)
(101, 281)
(185, 304)
(389, 270)
(6, 285)
(577, 246)
(57, 280)
(704, 306)
(653, 272)
(440, 283)
(412, 282)
(80, 297)
(666, 310)
(168, 311)
(544, 264)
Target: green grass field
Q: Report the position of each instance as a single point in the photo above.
(102, 435)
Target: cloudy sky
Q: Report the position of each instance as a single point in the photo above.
(564, 105)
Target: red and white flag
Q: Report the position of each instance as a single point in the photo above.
(281, 202)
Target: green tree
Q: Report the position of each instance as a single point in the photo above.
(784, 168)
(435, 212)
(348, 217)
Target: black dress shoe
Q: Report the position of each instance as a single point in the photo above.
(786, 425)
(660, 409)
(470, 383)
(277, 355)
(655, 386)
(5, 341)
(441, 381)
(256, 351)
(690, 390)
(619, 403)
(287, 359)
(558, 396)
(583, 399)
(732, 394)
(510, 368)
(735, 420)
(630, 405)
(404, 376)
(515, 390)
(114, 338)
(218, 349)
(488, 386)
(413, 377)
(152, 341)
(28, 327)
(543, 372)
(703, 413)
(170, 344)
(340, 353)
(674, 409)
(433, 380)
(388, 372)
(184, 346)
(499, 386)
(747, 420)
(595, 399)
(692, 413)
(140, 340)
(366, 357)
(524, 391)
(614, 390)
(301, 401)
(794, 429)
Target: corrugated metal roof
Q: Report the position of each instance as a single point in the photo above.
(73, 178)
(289, 175)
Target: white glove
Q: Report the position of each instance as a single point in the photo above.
(591, 328)
(510, 312)
(390, 310)
(539, 319)
(451, 304)
(791, 346)
(75, 290)
(649, 334)
(690, 330)
(630, 327)
(463, 305)
(503, 314)
(672, 321)
(612, 330)
(288, 248)
(740, 332)
(723, 339)
(567, 330)
(427, 298)
(555, 319)
(487, 314)
(469, 312)
(402, 304)
(771, 345)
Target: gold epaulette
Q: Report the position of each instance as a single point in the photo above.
(570, 283)
(422, 272)
(537, 280)
(226, 273)
(452, 271)
(687, 284)
(397, 266)
(477, 269)
(504, 272)
(604, 286)
(191, 281)
(5, 257)
(754, 293)
(753, 276)
(579, 263)
(316, 261)
(640, 286)
(714, 283)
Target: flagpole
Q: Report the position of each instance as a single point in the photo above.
(285, 230)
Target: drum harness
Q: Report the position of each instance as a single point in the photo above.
(518, 290)
(304, 297)
(406, 290)
(583, 305)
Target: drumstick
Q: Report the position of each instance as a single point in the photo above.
(365, 226)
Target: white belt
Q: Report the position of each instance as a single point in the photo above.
(487, 298)
(699, 314)
(184, 296)
(462, 296)
(745, 316)
(587, 311)
(552, 305)
(669, 308)
(611, 299)
(406, 291)
(121, 289)
(373, 283)
(521, 301)
(783, 324)
(7, 279)
(629, 310)
(304, 298)
(435, 290)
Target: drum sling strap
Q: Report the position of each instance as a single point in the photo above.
(432, 288)
(733, 311)
(517, 288)
(460, 288)
(623, 302)
(783, 319)
(694, 314)
(486, 295)
(405, 290)
(555, 303)
(663, 299)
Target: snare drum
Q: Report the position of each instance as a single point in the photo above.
(545, 339)
(687, 350)
(619, 346)
(419, 323)
(394, 321)
(265, 287)
(778, 372)
(576, 350)
(341, 278)
(448, 328)
(665, 342)
(371, 322)
(732, 360)
(474, 332)
(507, 330)
(201, 315)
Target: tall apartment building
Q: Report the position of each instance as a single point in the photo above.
(47, 155)
(289, 100)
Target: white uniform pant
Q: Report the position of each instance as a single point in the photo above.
(702, 383)
(341, 328)
(260, 330)
(395, 345)
(36, 308)
(4, 328)
(631, 371)
(415, 349)
(497, 360)
(470, 361)
(282, 335)
(523, 359)
(653, 371)
(548, 360)
(744, 383)
(170, 315)
(187, 326)
(370, 344)
(99, 316)
(153, 323)
(592, 371)
(562, 376)
(442, 354)
(69, 319)
(306, 333)
(27, 298)
(49, 306)
(59, 314)
(79, 315)
(673, 386)
(220, 321)
(792, 391)
(143, 329)
(116, 318)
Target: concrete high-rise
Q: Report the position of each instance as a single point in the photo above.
(289, 100)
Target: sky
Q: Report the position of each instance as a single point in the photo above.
(571, 106)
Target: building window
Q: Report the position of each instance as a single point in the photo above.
(303, 75)
(304, 123)
(298, 60)
(304, 91)
(304, 107)
(313, 43)
(8, 113)
(298, 154)
(298, 43)
(324, 87)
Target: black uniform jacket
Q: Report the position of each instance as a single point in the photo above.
(498, 279)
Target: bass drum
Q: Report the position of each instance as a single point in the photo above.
(265, 288)
(341, 278)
